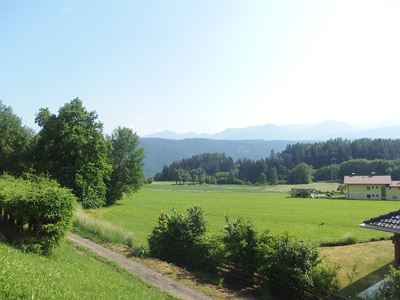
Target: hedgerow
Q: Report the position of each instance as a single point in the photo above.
(38, 211)
(284, 267)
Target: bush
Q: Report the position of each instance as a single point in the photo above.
(286, 266)
(324, 278)
(180, 239)
(240, 241)
(38, 210)
(390, 290)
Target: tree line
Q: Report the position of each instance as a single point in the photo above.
(298, 163)
(72, 148)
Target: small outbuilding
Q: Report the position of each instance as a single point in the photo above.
(389, 222)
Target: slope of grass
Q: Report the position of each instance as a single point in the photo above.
(360, 265)
(319, 220)
(70, 273)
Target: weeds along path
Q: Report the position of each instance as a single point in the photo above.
(146, 274)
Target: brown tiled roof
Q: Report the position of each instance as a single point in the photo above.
(373, 179)
(395, 184)
(389, 222)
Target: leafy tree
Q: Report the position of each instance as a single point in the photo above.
(127, 164)
(301, 173)
(15, 142)
(273, 177)
(262, 179)
(71, 147)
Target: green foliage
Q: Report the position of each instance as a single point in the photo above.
(103, 231)
(301, 173)
(390, 289)
(324, 278)
(286, 266)
(180, 239)
(71, 273)
(240, 241)
(15, 142)
(127, 164)
(39, 210)
(273, 177)
(72, 149)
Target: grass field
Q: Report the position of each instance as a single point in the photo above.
(266, 210)
(360, 265)
(71, 273)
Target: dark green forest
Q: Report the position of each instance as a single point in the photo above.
(298, 163)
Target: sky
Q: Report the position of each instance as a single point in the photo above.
(203, 66)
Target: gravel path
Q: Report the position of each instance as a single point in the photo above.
(146, 274)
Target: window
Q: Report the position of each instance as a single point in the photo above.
(368, 196)
(377, 195)
(368, 187)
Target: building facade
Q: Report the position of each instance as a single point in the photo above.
(372, 187)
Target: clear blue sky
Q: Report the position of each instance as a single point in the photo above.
(202, 65)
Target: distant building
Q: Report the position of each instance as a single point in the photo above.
(372, 187)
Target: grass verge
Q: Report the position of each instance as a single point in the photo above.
(99, 230)
(70, 273)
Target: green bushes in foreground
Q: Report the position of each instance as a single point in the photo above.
(390, 289)
(180, 239)
(37, 210)
(283, 266)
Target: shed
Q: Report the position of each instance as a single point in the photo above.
(389, 222)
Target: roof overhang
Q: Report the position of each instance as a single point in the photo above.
(391, 230)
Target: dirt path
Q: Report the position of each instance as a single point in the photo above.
(146, 274)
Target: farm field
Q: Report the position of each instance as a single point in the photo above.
(71, 273)
(318, 220)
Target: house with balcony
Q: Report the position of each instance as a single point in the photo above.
(372, 186)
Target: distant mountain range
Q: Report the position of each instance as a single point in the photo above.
(315, 131)
(160, 152)
(251, 142)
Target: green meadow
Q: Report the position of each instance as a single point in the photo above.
(70, 273)
(317, 220)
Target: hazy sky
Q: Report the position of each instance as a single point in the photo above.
(203, 65)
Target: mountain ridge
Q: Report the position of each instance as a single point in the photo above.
(313, 131)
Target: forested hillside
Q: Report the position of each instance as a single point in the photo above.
(298, 163)
(160, 152)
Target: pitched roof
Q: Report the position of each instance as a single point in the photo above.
(372, 179)
(389, 222)
(395, 184)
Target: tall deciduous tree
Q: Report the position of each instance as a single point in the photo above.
(301, 173)
(127, 163)
(15, 142)
(71, 147)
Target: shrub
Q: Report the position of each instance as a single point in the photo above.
(38, 210)
(390, 289)
(240, 241)
(324, 277)
(180, 239)
(286, 266)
